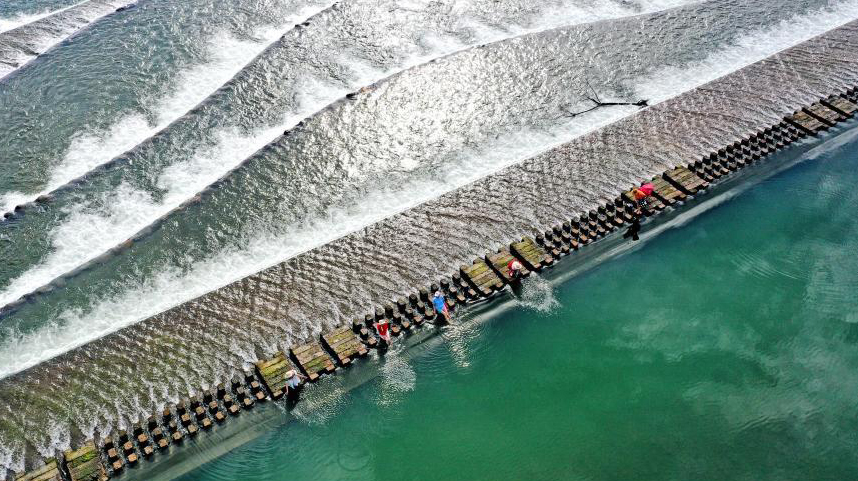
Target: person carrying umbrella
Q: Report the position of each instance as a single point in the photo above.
(641, 194)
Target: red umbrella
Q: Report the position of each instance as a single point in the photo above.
(647, 188)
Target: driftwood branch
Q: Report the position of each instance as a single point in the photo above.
(597, 102)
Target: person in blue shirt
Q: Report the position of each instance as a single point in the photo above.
(440, 304)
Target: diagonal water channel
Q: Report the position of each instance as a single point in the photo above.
(123, 375)
(291, 80)
(20, 45)
(131, 77)
(14, 15)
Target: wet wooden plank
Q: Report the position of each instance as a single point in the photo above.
(84, 463)
(313, 360)
(806, 122)
(272, 372)
(49, 472)
(343, 342)
(841, 105)
(500, 264)
(685, 180)
(666, 192)
(481, 278)
(532, 256)
(824, 113)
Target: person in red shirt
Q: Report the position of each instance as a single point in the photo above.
(383, 329)
(515, 269)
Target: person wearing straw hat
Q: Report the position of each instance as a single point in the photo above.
(515, 269)
(440, 303)
(293, 382)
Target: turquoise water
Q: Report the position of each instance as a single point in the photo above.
(724, 349)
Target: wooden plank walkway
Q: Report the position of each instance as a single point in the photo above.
(666, 192)
(685, 180)
(481, 278)
(48, 472)
(825, 114)
(273, 373)
(841, 105)
(84, 463)
(313, 360)
(807, 122)
(500, 264)
(531, 255)
(345, 344)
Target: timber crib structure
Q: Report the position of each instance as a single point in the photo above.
(483, 279)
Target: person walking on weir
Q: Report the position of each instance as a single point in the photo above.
(515, 269)
(382, 327)
(641, 193)
(293, 381)
(440, 303)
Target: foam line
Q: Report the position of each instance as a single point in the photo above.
(88, 150)
(61, 34)
(7, 24)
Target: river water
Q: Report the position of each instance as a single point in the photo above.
(726, 348)
(157, 155)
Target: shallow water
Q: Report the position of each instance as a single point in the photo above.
(726, 348)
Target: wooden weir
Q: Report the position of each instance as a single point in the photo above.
(825, 114)
(500, 265)
(84, 463)
(665, 192)
(49, 472)
(807, 122)
(841, 105)
(342, 342)
(274, 374)
(482, 279)
(313, 360)
(531, 255)
(685, 180)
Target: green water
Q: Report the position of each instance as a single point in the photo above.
(724, 349)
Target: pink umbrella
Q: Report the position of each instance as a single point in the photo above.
(647, 188)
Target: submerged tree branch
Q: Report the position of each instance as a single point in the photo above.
(599, 103)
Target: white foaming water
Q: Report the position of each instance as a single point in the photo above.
(90, 149)
(87, 233)
(397, 376)
(538, 294)
(228, 56)
(22, 19)
(12, 454)
(59, 34)
(757, 46)
(173, 287)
